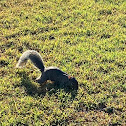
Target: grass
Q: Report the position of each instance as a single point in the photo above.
(86, 39)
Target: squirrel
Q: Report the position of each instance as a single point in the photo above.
(50, 73)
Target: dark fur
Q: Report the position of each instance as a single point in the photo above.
(50, 73)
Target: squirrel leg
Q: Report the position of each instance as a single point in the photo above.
(42, 79)
(41, 82)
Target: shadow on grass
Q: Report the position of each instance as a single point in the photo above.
(38, 90)
(54, 88)
(30, 88)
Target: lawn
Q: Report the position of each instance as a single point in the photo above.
(84, 38)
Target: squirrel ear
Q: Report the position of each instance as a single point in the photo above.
(69, 77)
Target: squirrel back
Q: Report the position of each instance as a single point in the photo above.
(34, 56)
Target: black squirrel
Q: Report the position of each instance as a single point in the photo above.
(51, 73)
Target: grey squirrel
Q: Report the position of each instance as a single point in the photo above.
(50, 73)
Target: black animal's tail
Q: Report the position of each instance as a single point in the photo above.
(34, 56)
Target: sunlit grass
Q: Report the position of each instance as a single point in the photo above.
(86, 39)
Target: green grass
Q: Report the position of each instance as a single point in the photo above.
(86, 39)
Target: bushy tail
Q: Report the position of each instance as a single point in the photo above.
(34, 56)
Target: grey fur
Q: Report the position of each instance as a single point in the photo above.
(34, 56)
(51, 73)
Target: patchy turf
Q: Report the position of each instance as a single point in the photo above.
(86, 39)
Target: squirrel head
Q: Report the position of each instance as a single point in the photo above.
(73, 82)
